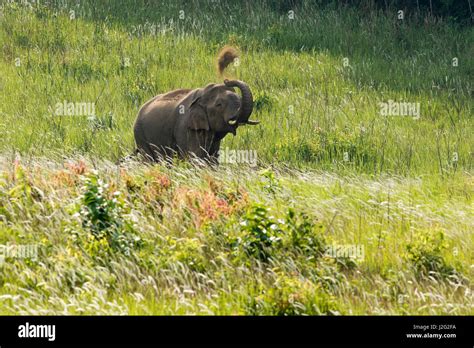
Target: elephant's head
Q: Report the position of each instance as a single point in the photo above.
(217, 107)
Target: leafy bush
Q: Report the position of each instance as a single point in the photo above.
(18, 190)
(185, 251)
(262, 235)
(23, 188)
(425, 255)
(102, 215)
(269, 181)
(303, 234)
(261, 232)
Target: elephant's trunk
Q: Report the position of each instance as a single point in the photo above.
(247, 101)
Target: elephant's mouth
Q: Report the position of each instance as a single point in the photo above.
(233, 121)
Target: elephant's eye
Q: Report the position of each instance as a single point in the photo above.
(218, 104)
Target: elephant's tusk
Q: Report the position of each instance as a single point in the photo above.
(232, 122)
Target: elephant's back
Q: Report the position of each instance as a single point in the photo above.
(175, 95)
(163, 101)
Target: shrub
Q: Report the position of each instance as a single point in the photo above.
(425, 255)
(185, 251)
(102, 215)
(304, 234)
(260, 232)
(263, 235)
(269, 181)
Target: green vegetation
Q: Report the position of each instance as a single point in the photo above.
(202, 241)
(313, 108)
(333, 172)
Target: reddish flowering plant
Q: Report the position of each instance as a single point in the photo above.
(78, 168)
(206, 206)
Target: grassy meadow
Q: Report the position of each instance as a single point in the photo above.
(333, 172)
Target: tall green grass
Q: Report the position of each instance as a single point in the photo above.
(313, 108)
(182, 240)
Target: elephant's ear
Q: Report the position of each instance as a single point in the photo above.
(197, 114)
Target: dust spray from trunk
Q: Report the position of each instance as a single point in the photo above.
(226, 56)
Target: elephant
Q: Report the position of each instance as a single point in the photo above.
(191, 123)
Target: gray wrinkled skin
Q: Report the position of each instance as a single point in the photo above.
(190, 123)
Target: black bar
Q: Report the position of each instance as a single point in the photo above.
(136, 330)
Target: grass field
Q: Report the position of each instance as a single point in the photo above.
(334, 174)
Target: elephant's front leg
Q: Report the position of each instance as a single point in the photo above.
(200, 144)
(214, 152)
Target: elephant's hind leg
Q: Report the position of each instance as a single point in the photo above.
(144, 148)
